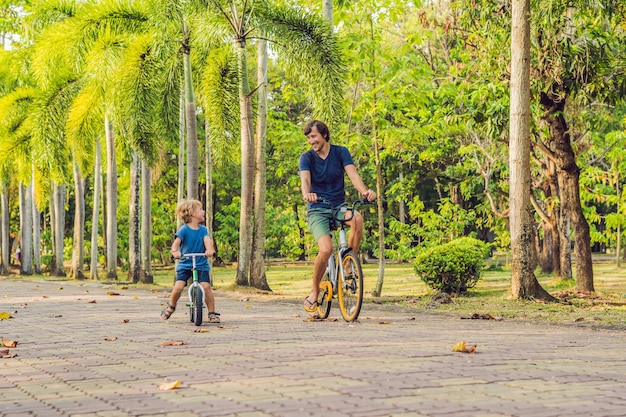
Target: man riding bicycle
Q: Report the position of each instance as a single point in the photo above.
(322, 171)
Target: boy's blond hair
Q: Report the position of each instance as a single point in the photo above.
(185, 208)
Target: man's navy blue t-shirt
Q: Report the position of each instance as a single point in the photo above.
(327, 175)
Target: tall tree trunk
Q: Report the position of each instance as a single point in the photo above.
(191, 123)
(26, 229)
(555, 216)
(401, 204)
(208, 172)
(258, 278)
(619, 226)
(565, 251)
(4, 230)
(209, 213)
(381, 219)
(327, 10)
(59, 229)
(301, 232)
(36, 227)
(78, 246)
(568, 177)
(524, 284)
(247, 169)
(181, 154)
(547, 248)
(146, 224)
(97, 176)
(379, 187)
(111, 202)
(134, 251)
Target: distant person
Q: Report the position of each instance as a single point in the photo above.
(192, 237)
(322, 170)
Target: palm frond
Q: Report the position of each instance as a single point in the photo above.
(219, 94)
(49, 119)
(15, 129)
(137, 97)
(310, 49)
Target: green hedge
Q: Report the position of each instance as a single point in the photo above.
(452, 267)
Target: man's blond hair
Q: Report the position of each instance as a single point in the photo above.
(185, 208)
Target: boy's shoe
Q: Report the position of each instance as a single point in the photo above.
(168, 311)
(214, 317)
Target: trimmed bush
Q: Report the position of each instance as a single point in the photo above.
(453, 267)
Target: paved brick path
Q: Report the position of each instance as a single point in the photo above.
(266, 360)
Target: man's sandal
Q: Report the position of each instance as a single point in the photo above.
(214, 317)
(310, 306)
(168, 311)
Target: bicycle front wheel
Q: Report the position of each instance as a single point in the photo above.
(350, 287)
(196, 308)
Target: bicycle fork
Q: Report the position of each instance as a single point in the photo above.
(190, 292)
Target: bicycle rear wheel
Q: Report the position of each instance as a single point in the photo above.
(350, 287)
(324, 297)
(196, 307)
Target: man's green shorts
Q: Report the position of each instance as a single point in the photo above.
(319, 221)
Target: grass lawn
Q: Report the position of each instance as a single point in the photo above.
(402, 289)
(488, 300)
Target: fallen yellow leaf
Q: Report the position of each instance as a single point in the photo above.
(4, 315)
(165, 386)
(172, 343)
(462, 347)
(9, 343)
(113, 293)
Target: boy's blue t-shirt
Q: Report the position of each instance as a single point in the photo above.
(192, 241)
(327, 175)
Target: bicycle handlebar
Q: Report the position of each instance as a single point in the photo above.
(351, 208)
(193, 255)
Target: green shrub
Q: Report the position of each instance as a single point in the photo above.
(452, 267)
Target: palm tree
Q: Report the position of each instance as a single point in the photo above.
(257, 268)
(307, 47)
(93, 269)
(78, 247)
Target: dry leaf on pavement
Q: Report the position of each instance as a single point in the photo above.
(110, 338)
(462, 347)
(172, 343)
(9, 343)
(166, 386)
(4, 315)
(5, 354)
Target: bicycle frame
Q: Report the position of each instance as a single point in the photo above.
(341, 248)
(337, 268)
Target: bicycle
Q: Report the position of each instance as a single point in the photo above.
(343, 279)
(196, 292)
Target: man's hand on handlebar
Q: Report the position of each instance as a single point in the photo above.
(369, 195)
(310, 197)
